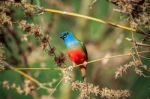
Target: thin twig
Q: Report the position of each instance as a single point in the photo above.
(89, 18)
(136, 50)
(21, 73)
(26, 76)
(30, 68)
(100, 59)
(138, 43)
(145, 57)
(56, 87)
(83, 16)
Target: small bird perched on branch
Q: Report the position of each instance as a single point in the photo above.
(76, 51)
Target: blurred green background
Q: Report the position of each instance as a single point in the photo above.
(101, 40)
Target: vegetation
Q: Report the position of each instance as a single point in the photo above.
(33, 59)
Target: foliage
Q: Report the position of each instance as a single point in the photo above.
(33, 60)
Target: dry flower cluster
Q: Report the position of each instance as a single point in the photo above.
(44, 39)
(30, 28)
(137, 10)
(2, 57)
(123, 69)
(97, 91)
(139, 19)
(4, 11)
(7, 28)
(26, 87)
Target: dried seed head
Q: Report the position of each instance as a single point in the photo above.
(45, 39)
(28, 28)
(135, 9)
(60, 60)
(51, 51)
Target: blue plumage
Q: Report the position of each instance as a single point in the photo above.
(69, 39)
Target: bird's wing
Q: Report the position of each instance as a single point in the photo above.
(84, 49)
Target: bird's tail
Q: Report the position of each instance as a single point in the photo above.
(83, 72)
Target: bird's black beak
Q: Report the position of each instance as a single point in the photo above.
(62, 37)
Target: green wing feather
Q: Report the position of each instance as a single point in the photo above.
(84, 49)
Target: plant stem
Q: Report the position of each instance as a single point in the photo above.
(89, 18)
(96, 60)
(26, 76)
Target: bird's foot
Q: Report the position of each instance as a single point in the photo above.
(85, 63)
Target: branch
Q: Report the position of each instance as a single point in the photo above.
(26, 76)
(89, 18)
(82, 16)
(138, 43)
(100, 59)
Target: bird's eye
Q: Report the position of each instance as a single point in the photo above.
(65, 36)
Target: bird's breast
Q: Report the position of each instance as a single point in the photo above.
(77, 55)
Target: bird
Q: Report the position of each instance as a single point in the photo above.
(76, 51)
